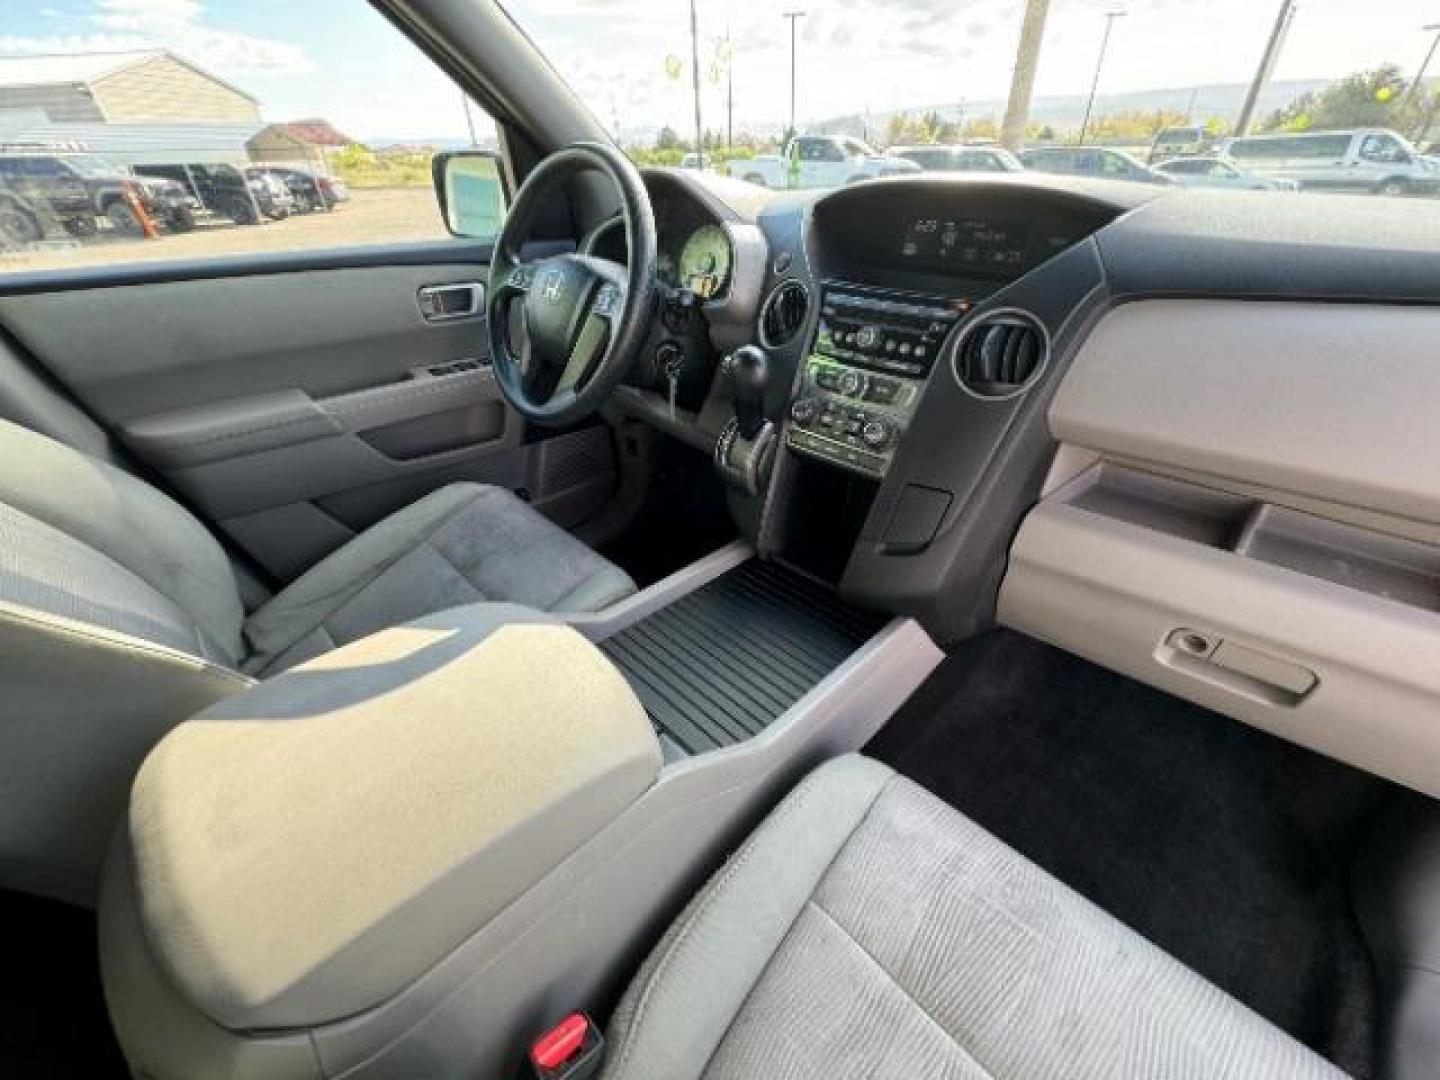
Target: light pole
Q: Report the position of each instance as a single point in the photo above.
(1022, 81)
(794, 17)
(1414, 87)
(695, 81)
(1110, 17)
(1268, 60)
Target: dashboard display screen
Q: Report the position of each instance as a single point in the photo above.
(966, 244)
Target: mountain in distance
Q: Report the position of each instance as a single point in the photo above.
(448, 142)
(1063, 112)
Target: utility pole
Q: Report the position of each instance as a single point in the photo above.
(793, 16)
(469, 120)
(1267, 65)
(1110, 17)
(1414, 87)
(960, 121)
(728, 55)
(1022, 82)
(695, 80)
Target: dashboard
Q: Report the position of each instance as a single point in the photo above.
(695, 251)
(1106, 415)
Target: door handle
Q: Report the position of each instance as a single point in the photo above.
(442, 303)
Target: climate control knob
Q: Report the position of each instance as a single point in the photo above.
(805, 411)
(852, 383)
(877, 434)
(867, 337)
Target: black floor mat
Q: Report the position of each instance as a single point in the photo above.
(53, 1024)
(1228, 848)
(684, 517)
(718, 666)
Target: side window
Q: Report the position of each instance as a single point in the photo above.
(829, 151)
(1382, 148)
(233, 134)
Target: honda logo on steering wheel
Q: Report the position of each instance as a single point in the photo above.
(552, 285)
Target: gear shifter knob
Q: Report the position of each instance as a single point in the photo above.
(749, 373)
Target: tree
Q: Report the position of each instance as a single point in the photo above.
(669, 140)
(984, 128)
(1135, 123)
(1364, 99)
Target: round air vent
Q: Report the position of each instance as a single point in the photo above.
(782, 316)
(1001, 353)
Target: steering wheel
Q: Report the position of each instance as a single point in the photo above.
(585, 318)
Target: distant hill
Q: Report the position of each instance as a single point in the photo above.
(396, 142)
(1219, 99)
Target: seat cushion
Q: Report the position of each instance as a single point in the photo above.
(868, 930)
(463, 544)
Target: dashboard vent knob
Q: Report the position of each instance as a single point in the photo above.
(782, 316)
(1001, 354)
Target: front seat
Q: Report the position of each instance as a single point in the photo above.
(865, 930)
(120, 616)
(869, 930)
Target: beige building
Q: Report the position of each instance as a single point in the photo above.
(121, 87)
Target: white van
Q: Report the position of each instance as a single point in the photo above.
(1373, 160)
(1188, 140)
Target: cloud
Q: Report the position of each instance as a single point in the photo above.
(179, 25)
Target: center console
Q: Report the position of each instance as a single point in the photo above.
(863, 378)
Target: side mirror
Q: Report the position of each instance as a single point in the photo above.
(471, 191)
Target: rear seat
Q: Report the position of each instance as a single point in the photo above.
(868, 930)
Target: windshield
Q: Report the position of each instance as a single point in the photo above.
(1152, 80)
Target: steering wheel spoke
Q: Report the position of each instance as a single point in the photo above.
(517, 281)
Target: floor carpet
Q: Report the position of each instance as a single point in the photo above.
(53, 1024)
(1227, 847)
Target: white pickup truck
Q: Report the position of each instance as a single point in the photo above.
(821, 161)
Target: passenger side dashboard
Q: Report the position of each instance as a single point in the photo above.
(1256, 526)
(1218, 481)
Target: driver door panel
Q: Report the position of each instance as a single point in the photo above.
(294, 408)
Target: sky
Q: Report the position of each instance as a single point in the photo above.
(339, 60)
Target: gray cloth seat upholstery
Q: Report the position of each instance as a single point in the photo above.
(120, 616)
(866, 929)
(463, 544)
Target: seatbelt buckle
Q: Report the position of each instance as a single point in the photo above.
(573, 1049)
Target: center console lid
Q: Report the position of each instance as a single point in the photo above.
(304, 850)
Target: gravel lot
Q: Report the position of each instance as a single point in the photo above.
(372, 216)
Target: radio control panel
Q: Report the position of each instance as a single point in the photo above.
(864, 376)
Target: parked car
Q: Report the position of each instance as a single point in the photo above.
(701, 162)
(223, 190)
(1187, 140)
(1374, 160)
(823, 161)
(75, 189)
(311, 190)
(984, 159)
(272, 192)
(1099, 161)
(21, 223)
(1218, 172)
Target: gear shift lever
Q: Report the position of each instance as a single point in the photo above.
(746, 448)
(749, 373)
